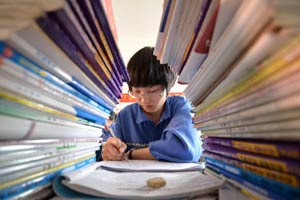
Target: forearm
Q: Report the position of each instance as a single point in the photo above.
(142, 154)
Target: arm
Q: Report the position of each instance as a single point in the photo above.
(179, 142)
(142, 154)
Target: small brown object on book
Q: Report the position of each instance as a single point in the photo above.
(156, 182)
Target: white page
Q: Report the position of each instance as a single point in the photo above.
(150, 165)
(133, 185)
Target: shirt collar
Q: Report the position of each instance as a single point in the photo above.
(141, 117)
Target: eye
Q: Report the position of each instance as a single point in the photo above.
(153, 91)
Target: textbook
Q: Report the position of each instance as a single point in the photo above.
(93, 181)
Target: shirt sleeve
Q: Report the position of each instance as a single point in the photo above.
(180, 142)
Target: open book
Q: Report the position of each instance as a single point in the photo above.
(94, 181)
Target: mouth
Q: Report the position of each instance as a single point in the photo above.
(148, 107)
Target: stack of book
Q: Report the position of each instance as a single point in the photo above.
(244, 89)
(61, 75)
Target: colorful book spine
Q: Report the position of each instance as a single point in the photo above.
(289, 179)
(257, 188)
(103, 22)
(62, 40)
(267, 183)
(25, 63)
(48, 88)
(14, 190)
(286, 149)
(67, 25)
(283, 165)
(101, 47)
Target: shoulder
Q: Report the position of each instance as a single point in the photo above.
(129, 109)
(178, 101)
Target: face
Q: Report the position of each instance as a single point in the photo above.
(151, 99)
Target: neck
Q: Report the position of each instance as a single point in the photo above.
(154, 116)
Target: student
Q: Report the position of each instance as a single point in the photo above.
(156, 126)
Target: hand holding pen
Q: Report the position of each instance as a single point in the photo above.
(113, 148)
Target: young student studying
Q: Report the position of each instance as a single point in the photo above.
(157, 126)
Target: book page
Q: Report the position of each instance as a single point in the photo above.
(133, 185)
(150, 165)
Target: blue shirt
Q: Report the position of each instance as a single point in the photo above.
(173, 138)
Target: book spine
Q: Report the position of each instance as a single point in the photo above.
(259, 94)
(48, 88)
(284, 57)
(274, 186)
(261, 190)
(102, 19)
(283, 165)
(282, 105)
(31, 184)
(37, 56)
(287, 125)
(103, 50)
(25, 63)
(66, 24)
(282, 177)
(61, 39)
(28, 129)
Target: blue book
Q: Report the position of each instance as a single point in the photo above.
(30, 66)
(15, 190)
(267, 183)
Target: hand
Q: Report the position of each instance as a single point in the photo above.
(114, 149)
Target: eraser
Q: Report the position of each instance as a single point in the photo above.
(156, 182)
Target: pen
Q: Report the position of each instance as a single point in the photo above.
(114, 135)
(112, 132)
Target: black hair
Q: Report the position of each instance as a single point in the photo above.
(112, 116)
(145, 70)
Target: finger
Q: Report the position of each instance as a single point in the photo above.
(122, 148)
(110, 151)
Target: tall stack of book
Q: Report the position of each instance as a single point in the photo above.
(61, 75)
(241, 64)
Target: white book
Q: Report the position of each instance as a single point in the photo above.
(226, 12)
(264, 46)
(15, 129)
(170, 39)
(251, 17)
(199, 53)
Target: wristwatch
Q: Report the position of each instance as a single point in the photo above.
(129, 154)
